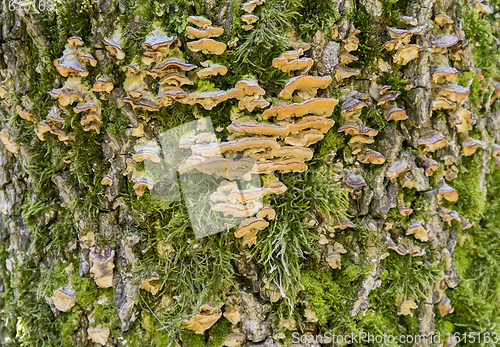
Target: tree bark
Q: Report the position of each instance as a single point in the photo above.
(387, 227)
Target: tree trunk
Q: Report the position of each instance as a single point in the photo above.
(124, 223)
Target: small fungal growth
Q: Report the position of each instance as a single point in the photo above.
(113, 46)
(416, 229)
(348, 45)
(53, 124)
(250, 6)
(334, 253)
(249, 19)
(64, 298)
(99, 334)
(102, 267)
(74, 58)
(204, 44)
(385, 97)
(150, 284)
(12, 147)
(407, 307)
(400, 43)
(352, 125)
(205, 318)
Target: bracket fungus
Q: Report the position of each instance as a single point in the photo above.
(158, 40)
(470, 145)
(266, 213)
(369, 156)
(199, 21)
(24, 113)
(441, 43)
(462, 120)
(71, 63)
(306, 85)
(64, 298)
(430, 166)
(194, 33)
(343, 72)
(444, 306)
(149, 285)
(249, 19)
(334, 252)
(102, 267)
(406, 307)
(12, 147)
(142, 181)
(304, 138)
(53, 124)
(431, 140)
(147, 150)
(395, 114)
(249, 6)
(353, 181)
(4, 92)
(416, 229)
(71, 92)
(248, 230)
(103, 85)
(443, 20)
(396, 169)
(204, 319)
(483, 8)
(443, 74)
(232, 314)
(113, 46)
(207, 46)
(211, 69)
(447, 192)
(454, 92)
(495, 150)
(286, 57)
(406, 54)
(99, 334)
(440, 103)
(318, 106)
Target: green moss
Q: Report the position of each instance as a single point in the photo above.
(475, 95)
(403, 275)
(368, 50)
(472, 199)
(314, 16)
(478, 32)
(219, 332)
(189, 338)
(374, 118)
(393, 10)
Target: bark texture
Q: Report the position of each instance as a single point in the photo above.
(392, 229)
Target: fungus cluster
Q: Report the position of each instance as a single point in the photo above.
(249, 18)
(204, 33)
(352, 125)
(349, 44)
(102, 267)
(113, 45)
(12, 147)
(5, 87)
(53, 123)
(400, 42)
(275, 140)
(386, 97)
